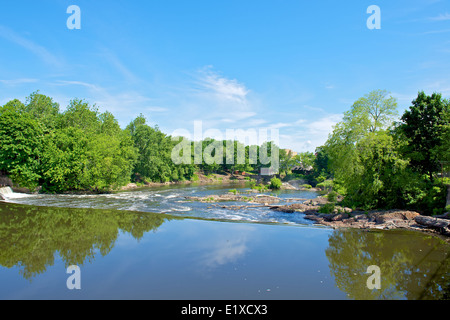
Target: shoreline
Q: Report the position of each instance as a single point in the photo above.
(377, 219)
(342, 217)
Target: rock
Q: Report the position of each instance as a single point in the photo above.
(129, 186)
(340, 217)
(313, 217)
(442, 225)
(392, 215)
(443, 216)
(288, 186)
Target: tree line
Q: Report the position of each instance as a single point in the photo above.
(82, 149)
(376, 159)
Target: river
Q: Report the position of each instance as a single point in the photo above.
(153, 244)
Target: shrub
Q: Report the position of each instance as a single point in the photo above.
(306, 186)
(327, 208)
(275, 184)
(326, 185)
(332, 197)
(234, 191)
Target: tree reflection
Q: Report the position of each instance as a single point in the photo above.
(30, 236)
(413, 265)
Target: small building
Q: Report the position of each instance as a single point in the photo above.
(301, 169)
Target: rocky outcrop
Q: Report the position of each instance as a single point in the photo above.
(264, 199)
(377, 219)
(438, 224)
(391, 219)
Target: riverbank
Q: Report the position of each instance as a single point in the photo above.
(343, 217)
(200, 179)
(340, 217)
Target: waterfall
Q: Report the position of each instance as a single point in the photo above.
(6, 193)
(6, 190)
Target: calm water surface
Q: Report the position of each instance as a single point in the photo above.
(125, 251)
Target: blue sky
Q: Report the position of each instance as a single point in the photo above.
(291, 65)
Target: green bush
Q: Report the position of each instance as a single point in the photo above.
(332, 197)
(327, 208)
(234, 191)
(306, 186)
(275, 184)
(326, 185)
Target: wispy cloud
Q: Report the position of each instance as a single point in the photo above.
(441, 17)
(224, 89)
(14, 82)
(156, 109)
(38, 50)
(124, 104)
(118, 65)
(434, 32)
(308, 135)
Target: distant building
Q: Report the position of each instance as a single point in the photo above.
(292, 153)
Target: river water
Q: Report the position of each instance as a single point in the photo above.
(172, 200)
(153, 244)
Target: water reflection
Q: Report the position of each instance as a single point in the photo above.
(413, 265)
(31, 236)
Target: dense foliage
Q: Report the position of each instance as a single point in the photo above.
(379, 163)
(81, 149)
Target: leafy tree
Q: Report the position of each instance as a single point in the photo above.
(425, 128)
(371, 113)
(374, 181)
(13, 106)
(64, 160)
(21, 144)
(79, 114)
(42, 108)
(321, 170)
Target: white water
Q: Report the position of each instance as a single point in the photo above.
(7, 193)
(169, 200)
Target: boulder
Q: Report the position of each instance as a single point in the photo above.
(444, 216)
(340, 217)
(442, 225)
(392, 215)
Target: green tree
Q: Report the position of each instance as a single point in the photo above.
(425, 128)
(42, 108)
(21, 145)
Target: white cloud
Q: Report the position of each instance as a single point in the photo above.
(308, 135)
(225, 90)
